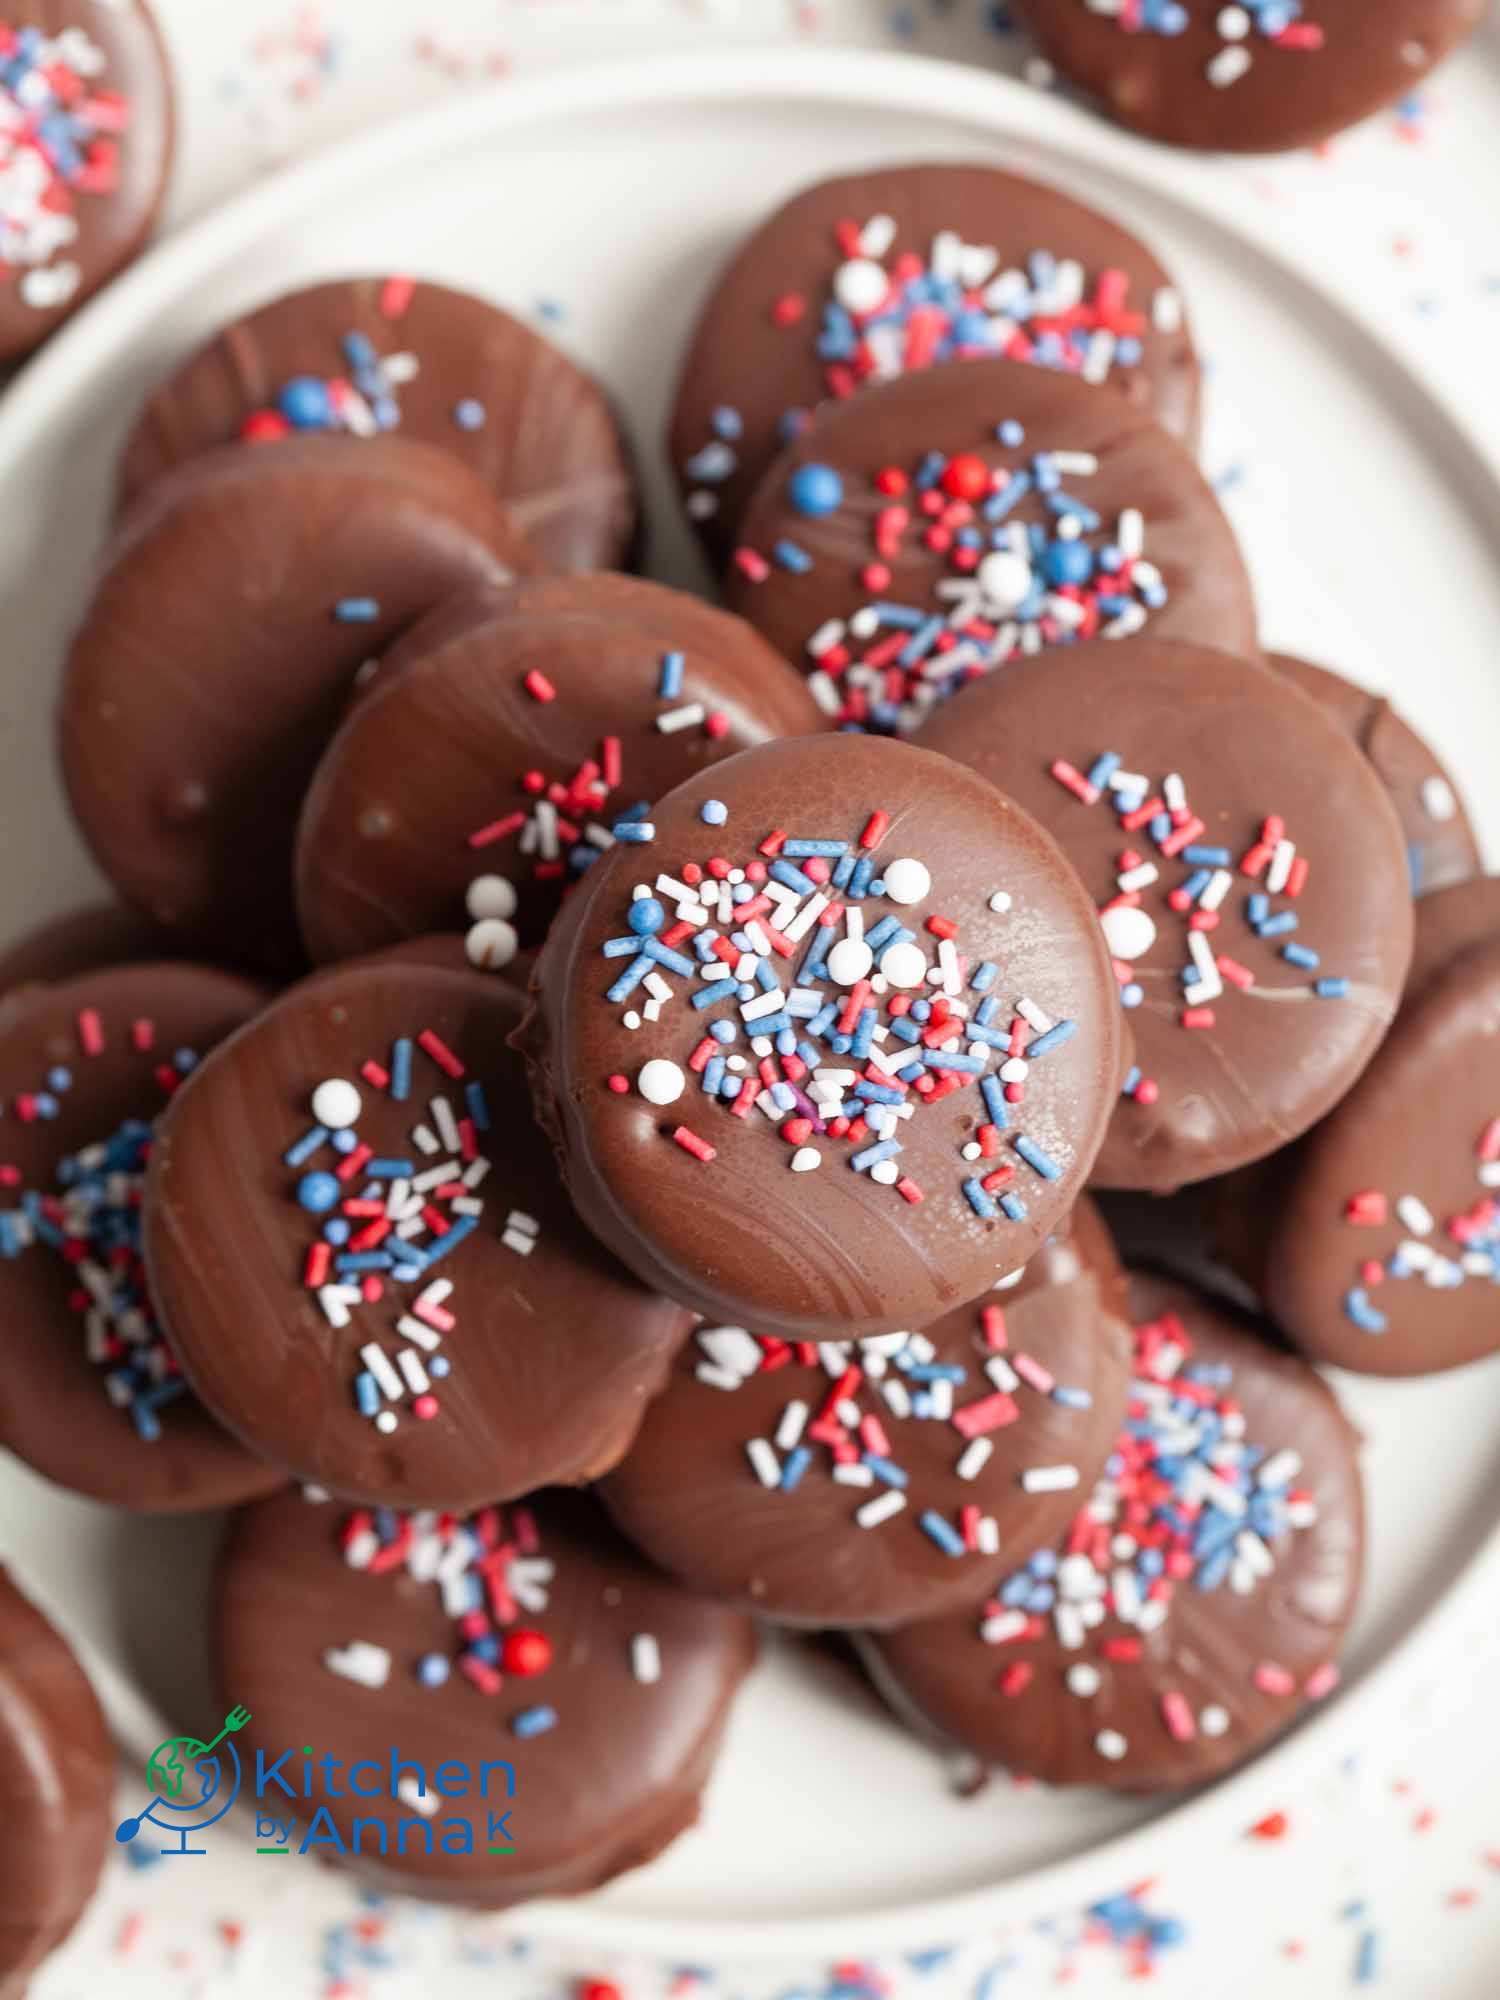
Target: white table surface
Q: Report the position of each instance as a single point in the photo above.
(1387, 1874)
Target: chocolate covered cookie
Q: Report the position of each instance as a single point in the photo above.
(870, 276)
(239, 601)
(57, 1771)
(1199, 1599)
(1376, 1242)
(826, 1045)
(369, 357)
(1441, 845)
(480, 776)
(1250, 878)
(558, 1704)
(871, 1483)
(86, 109)
(1247, 79)
(364, 1256)
(935, 528)
(90, 1393)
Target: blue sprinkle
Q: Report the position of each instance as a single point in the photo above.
(1331, 989)
(797, 1462)
(638, 832)
(791, 557)
(533, 1722)
(1052, 1038)
(979, 1201)
(477, 1106)
(713, 812)
(1014, 1207)
(306, 1146)
(815, 490)
(317, 1193)
(356, 610)
(645, 916)
(401, 1052)
(940, 1531)
(1301, 955)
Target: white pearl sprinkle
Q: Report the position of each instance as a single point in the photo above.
(1129, 933)
(336, 1103)
(660, 1081)
(491, 944)
(491, 896)
(907, 880)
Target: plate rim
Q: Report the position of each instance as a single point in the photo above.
(1006, 110)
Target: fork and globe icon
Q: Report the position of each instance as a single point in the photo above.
(194, 1782)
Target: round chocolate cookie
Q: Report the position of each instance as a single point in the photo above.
(868, 1484)
(90, 1392)
(1376, 1242)
(1441, 845)
(369, 356)
(827, 1045)
(1250, 878)
(580, 1694)
(364, 1256)
(1200, 1597)
(86, 108)
(240, 599)
(934, 528)
(57, 1774)
(482, 772)
(870, 276)
(1252, 79)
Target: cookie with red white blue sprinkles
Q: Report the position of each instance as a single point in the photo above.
(938, 527)
(1441, 844)
(366, 1260)
(240, 601)
(1250, 878)
(529, 1636)
(1376, 1243)
(1199, 1599)
(397, 356)
(1250, 76)
(86, 124)
(825, 1044)
(869, 276)
(480, 776)
(91, 1394)
(872, 1483)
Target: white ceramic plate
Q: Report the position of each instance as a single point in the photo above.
(1372, 530)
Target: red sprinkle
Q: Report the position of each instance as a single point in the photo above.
(689, 1141)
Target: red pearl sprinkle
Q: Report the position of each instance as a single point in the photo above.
(425, 1407)
(966, 476)
(526, 1653)
(619, 1084)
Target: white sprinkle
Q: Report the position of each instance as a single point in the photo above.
(732, 1348)
(1128, 932)
(645, 1659)
(661, 1081)
(337, 1104)
(1278, 874)
(1214, 1721)
(1002, 1627)
(490, 896)
(410, 1793)
(386, 1379)
(789, 1430)
(974, 1457)
(360, 1661)
(1415, 1215)
(806, 1159)
(517, 1240)
(1438, 801)
(906, 879)
(763, 1462)
(1049, 1478)
(1228, 66)
(1000, 902)
(1138, 878)
(411, 1367)
(1280, 1469)
(435, 1176)
(1166, 317)
(336, 1301)
(1034, 1016)
(1084, 1680)
(419, 1331)
(874, 1512)
(426, 1141)
(1111, 1744)
(686, 717)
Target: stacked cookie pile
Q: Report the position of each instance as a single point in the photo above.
(560, 1034)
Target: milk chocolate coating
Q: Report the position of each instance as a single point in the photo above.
(553, 1354)
(1247, 744)
(82, 940)
(439, 746)
(688, 1497)
(54, 1410)
(824, 1254)
(956, 410)
(1410, 1126)
(548, 445)
(612, 1785)
(112, 223)
(1441, 846)
(213, 666)
(742, 358)
(1158, 84)
(1211, 1642)
(57, 1770)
